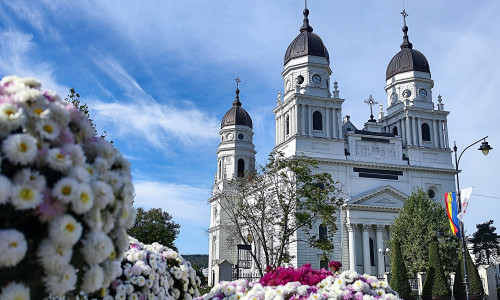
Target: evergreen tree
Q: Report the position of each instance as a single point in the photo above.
(435, 280)
(486, 242)
(399, 280)
(417, 223)
(475, 283)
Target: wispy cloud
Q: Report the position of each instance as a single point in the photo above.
(16, 58)
(187, 204)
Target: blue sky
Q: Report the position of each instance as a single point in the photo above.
(158, 77)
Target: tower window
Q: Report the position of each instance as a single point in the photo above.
(241, 167)
(323, 232)
(287, 125)
(426, 132)
(220, 169)
(317, 121)
(395, 130)
(323, 264)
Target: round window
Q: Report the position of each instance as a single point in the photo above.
(241, 136)
(431, 194)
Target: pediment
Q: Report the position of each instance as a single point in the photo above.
(383, 197)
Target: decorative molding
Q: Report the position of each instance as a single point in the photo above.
(379, 227)
(364, 148)
(351, 226)
(366, 227)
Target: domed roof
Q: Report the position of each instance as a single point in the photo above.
(306, 43)
(408, 59)
(236, 115)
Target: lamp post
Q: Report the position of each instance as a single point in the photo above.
(383, 253)
(485, 149)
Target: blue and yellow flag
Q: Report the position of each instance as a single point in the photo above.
(452, 210)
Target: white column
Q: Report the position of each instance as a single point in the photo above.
(335, 123)
(419, 133)
(277, 130)
(293, 121)
(352, 246)
(400, 128)
(408, 133)
(367, 268)
(339, 123)
(435, 134)
(327, 122)
(309, 117)
(303, 120)
(414, 129)
(447, 142)
(299, 118)
(380, 245)
(441, 137)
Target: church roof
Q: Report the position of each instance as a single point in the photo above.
(306, 43)
(408, 59)
(236, 115)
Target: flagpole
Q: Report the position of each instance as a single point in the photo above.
(483, 147)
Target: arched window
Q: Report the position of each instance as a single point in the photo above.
(395, 130)
(426, 132)
(372, 253)
(241, 167)
(220, 169)
(323, 232)
(214, 249)
(287, 125)
(317, 121)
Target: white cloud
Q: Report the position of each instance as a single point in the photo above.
(186, 204)
(16, 58)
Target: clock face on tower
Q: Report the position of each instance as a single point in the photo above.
(422, 93)
(316, 79)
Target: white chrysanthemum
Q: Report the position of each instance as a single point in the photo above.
(360, 286)
(13, 247)
(24, 196)
(103, 194)
(30, 177)
(108, 221)
(20, 148)
(92, 279)
(80, 174)
(120, 296)
(93, 218)
(57, 111)
(53, 257)
(59, 283)
(84, 199)
(31, 95)
(65, 190)
(31, 82)
(112, 269)
(127, 216)
(11, 117)
(58, 160)
(114, 180)
(15, 291)
(101, 165)
(134, 296)
(5, 189)
(65, 230)
(76, 154)
(130, 289)
(48, 129)
(120, 239)
(96, 247)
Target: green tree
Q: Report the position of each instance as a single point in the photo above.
(435, 280)
(475, 283)
(155, 225)
(275, 202)
(417, 223)
(399, 280)
(486, 243)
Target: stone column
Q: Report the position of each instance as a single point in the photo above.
(447, 142)
(309, 116)
(380, 245)
(338, 122)
(435, 130)
(408, 133)
(366, 249)
(352, 246)
(327, 122)
(294, 120)
(414, 127)
(277, 130)
(419, 133)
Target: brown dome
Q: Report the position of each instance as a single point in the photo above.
(236, 115)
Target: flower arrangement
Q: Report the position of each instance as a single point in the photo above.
(348, 285)
(154, 272)
(65, 197)
(305, 275)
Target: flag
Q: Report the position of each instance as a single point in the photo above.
(452, 210)
(464, 197)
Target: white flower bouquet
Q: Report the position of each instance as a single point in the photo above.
(345, 286)
(65, 197)
(154, 272)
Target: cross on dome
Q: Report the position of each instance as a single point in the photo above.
(370, 101)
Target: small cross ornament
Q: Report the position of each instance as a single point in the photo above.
(370, 101)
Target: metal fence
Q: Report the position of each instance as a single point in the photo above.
(414, 283)
(240, 273)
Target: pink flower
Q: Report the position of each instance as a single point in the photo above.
(50, 208)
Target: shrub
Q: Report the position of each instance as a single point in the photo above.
(458, 283)
(435, 281)
(399, 280)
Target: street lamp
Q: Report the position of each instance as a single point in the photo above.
(485, 149)
(383, 253)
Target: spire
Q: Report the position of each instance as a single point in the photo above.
(305, 25)
(237, 98)
(406, 42)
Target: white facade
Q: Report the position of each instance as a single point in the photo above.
(377, 167)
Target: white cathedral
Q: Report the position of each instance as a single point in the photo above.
(377, 166)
